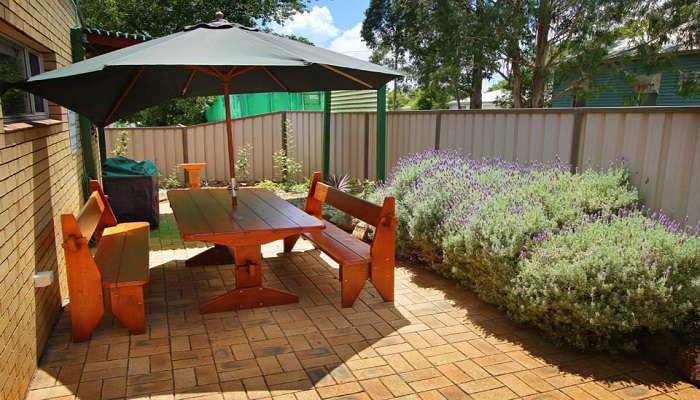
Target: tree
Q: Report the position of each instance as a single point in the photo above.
(187, 111)
(442, 49)
(398, 100)
(384, 32)
(542, 37)
(163, 17)
(441, 43)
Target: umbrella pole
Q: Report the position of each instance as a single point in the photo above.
(229, 131)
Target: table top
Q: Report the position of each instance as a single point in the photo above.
(259, 217)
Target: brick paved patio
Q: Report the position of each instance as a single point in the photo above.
(436, 341)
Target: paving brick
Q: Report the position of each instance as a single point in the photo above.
(376, 389)
(422, 346)
(481, 385)
(430, 384)
(495, 394)
(396, 385)
(339, 390)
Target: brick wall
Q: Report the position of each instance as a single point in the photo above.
(39, 180)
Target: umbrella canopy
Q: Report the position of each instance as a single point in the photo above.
(195, 62)
(202, 60)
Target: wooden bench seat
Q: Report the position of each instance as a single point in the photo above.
(358, 260)
(122, 255)
(341, 246)
(119, 266)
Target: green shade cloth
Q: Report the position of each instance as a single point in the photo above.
(250, 104)
(95, 86)
(122, 167)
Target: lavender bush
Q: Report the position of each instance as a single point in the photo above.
(602, 282)
(489, 236)
(470, 219)
(529, 238)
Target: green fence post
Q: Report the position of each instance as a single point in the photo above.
(78, 54)
(101, 135)
(326, 134)
(381, 133)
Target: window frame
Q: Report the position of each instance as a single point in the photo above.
(34, 114)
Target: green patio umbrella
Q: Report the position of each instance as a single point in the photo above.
(201, 60)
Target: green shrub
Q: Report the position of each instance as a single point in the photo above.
(600, 284)
(482, 251)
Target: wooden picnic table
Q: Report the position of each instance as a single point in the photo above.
(238, 233)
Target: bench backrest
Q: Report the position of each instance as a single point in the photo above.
(382, 217)
(108, 218)
(88, 218)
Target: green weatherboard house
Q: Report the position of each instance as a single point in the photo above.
(622, 81)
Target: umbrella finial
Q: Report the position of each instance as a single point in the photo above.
(219, 16)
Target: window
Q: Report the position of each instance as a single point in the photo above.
(646, 89)
(73, 131)
(688, 83)
(17, 63)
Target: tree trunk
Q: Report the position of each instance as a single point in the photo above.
(477, 77)
(457, 93)
(477, 67)
(396, 83)
(538, 75)
(516, 82)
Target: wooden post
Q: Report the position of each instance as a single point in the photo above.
(229, 131)
(326, 133)
(381, 133)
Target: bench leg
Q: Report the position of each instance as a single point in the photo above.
(289, 243)
(383, 280)
(352, 280)
(128, 307)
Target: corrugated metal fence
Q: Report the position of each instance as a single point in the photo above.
(660, 145)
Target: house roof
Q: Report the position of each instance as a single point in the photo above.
(627, 48)
(140, 36)
(103, 40)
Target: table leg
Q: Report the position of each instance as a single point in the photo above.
(249, 292)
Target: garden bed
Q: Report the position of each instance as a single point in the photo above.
(569, 253)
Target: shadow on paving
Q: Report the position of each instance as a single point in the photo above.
(262, 352)
(560, 366)
(436, 339)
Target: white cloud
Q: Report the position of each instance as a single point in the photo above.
(351, 44)
(315, 25)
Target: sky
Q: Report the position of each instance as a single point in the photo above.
(335, 25)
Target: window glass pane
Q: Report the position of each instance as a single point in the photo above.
(35, 69)
(12, 68)
(34, 64)
(39, 105)
(73, 131)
